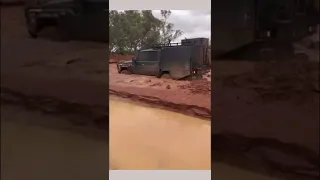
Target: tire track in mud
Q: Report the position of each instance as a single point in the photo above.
(191, 110)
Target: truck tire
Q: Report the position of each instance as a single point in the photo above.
(159, 75)
(125, 71)
(32, 25)
(165, 76)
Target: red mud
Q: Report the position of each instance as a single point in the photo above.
(114, 58)
(272, 113)
(166, 100)
(268, 100)
(198, 87)
(94, 93)
(187, 97)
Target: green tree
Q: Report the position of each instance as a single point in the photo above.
(168, 34)
(132, 30)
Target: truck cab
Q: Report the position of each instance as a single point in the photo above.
(146, 62)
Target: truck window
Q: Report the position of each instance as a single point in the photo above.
(148, 56)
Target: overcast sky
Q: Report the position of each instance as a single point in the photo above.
(192, 23)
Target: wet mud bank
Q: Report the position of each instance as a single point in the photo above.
(266, 155)
(89, 115)
(274, 125)
(192, 110)
(78, 116)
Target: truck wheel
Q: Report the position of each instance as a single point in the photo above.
(197, 77)
(159, 75)
(125, 71)
(32, 25)
(166, 76)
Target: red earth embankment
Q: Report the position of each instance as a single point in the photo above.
(114, 58)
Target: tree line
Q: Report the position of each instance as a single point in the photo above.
(133, 30)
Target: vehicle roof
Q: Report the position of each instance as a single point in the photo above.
(149, 50)
(158, 49)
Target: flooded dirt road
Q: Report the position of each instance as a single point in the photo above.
(194, 93)
(30, 150)
(147, 138)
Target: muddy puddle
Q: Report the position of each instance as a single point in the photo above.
(30, 151)
(146, 138)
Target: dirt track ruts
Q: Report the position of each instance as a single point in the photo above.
(97, 114)
(193, 110)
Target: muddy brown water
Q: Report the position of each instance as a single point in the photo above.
(147, 138)
(34, 151)
(157, 139)
(140, 138)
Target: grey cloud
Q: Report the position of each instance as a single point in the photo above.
(201, 13)
(192, 23)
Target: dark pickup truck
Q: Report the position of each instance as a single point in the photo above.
(190, 58)
(81, 19)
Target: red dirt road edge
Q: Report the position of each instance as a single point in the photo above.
(89, 93)
(191, 110)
